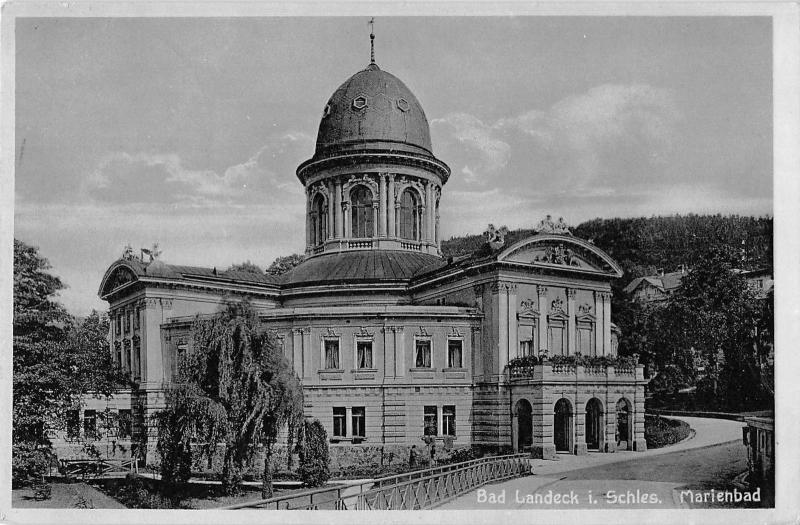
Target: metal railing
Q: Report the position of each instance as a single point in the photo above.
(419, 489)
(98, 468)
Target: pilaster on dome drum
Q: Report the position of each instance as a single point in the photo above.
(373, 130)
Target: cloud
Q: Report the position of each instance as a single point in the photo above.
(164, 178)
(612, 133)
(489, 153)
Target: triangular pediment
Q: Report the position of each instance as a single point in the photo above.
(561, 252)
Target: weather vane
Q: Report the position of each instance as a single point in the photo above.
(372, 40)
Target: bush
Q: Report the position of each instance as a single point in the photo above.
(29, 464)
(660, 432)
(314, 468)
(135, 493)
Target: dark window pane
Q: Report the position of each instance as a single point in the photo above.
(454, 350)
(449, 420)
(73, 423)
(124, 424)
(359, 422)
(431, 424)
(361, 213)
(332, 354)
(364, 351)
(89, 424)
(423, 354)
(408, 215)
(339, 425)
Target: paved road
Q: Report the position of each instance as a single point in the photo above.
(652, 479)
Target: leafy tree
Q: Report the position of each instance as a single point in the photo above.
(314, 454)
(246, 266)
(285, 409)
(707, 334)
(234, 384)
(57, 359)
(282, 265)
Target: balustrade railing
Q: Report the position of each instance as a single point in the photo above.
(624, 370)
(420, 489)
(564, 368)
(411, 246)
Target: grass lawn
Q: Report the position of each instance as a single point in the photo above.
(660, 431)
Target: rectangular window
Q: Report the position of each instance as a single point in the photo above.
(364, 354)
(449, 420)
(454, 351)
(136, 318)
(332, 354)
(339, 422)
(431, 422)
(137, 356)
(118, 318)
(125, 424)
(359, 420)
(73, 423)
(423, 353)
(127, 321)
(89, 424)
(526, 340)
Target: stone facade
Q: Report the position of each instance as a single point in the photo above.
(391, 341)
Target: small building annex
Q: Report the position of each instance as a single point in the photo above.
(392, 341)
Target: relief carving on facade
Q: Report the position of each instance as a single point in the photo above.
(529, 306)
(422, 332)
(557, 306)
(363, 332)
(558, 255)
(355, 180)
(328, 332)
(455, 332)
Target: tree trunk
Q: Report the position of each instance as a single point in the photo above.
(230, 476)
(266, 485)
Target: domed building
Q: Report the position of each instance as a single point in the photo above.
(395, 344)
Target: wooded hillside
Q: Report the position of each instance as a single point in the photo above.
(643, 245)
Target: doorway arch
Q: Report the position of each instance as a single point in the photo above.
(562, 426)
(624, 425)
(594, 424)
(524, 412)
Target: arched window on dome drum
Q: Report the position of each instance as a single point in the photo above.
(363, 222)
(319, 221)
(408, 217)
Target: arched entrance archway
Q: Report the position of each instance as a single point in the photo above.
(594, 424)
(523, 411)
(562, 426)
(624, 425)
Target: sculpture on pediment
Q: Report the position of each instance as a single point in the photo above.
(153, 252)
(585, 309)
(547, 225)
(528, 305)
(495, 237)
(128, 254)
(557, 306)
(558, 255)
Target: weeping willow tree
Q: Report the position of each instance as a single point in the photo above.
(234, 387)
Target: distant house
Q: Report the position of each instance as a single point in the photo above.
(761, 281)
(655, 288)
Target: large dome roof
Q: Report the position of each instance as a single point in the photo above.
(373, 110)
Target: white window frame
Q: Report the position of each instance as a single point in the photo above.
(344, 423)
(429, 339)
(323, 360)
(452, 338)
(363, 339)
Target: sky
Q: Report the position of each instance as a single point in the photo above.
(188, 131)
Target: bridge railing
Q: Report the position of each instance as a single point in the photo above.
(419, 489)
